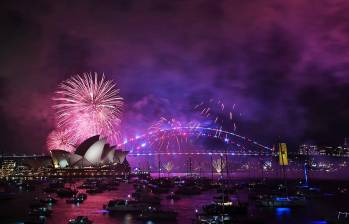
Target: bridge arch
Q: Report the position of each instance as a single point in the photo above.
(143, 145)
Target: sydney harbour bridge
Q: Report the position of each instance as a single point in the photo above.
(176, 141)
(196, 148)
(199, 147)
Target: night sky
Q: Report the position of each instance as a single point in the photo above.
(285, 64)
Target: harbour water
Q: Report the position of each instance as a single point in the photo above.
(317, 210)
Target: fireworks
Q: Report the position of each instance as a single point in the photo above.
(167, 132)
(88, 105)
(218, 165)
(168, 166)
(60, 140)
(218, 114)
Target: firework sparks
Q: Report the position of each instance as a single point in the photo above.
(88, 105)
(218, 114)
(170, 132)
(218, 165)
(168, 166)
(58, 139)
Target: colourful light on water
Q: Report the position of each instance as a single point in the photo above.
(282, 212)
(282, 199)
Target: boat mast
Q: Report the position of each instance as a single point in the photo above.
(211, 168)
(190, 168)
(159, 165)
(306, 168)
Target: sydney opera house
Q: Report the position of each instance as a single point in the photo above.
(93, 157)
(93, 152)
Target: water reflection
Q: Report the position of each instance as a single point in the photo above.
(282, 212)
(187, 207)
(128, 219)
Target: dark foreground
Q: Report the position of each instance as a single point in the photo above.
(322, 203)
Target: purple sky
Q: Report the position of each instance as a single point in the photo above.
(284, 63)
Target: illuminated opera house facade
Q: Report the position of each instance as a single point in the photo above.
(93, 153)
(92, 158)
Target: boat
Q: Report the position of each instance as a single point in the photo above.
(78, 198)
(223, 204)
(214, 219)
(40, 211)
(81, 196)
(73, 200)
(289, 201)
(48, 200)
(121, 205)
(154, 214)
(225, 207)
(80, 220)
(310, 191)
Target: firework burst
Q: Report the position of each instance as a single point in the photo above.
(170, 132)
(88, 105)
(218, 165)
(168, 166)
(58, 139)
(218, 114)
